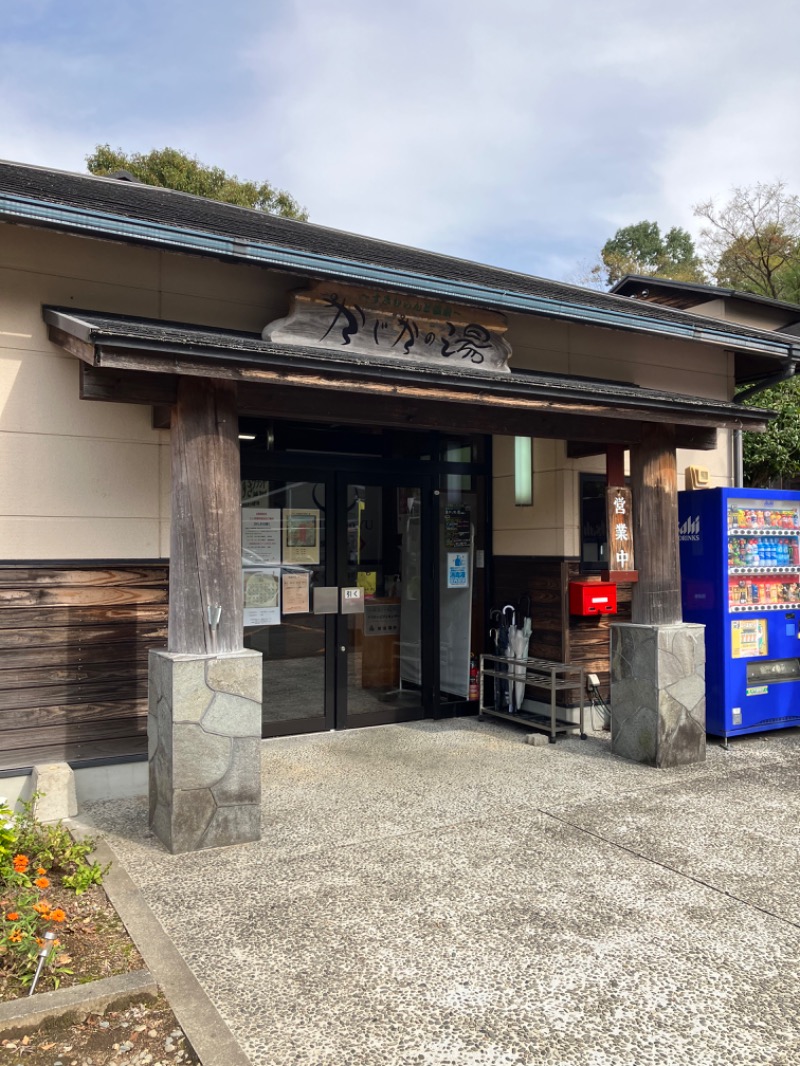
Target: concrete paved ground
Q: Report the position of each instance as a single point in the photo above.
(443, 893)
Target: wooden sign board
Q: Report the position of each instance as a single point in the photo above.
(393, 325)
(619, 521)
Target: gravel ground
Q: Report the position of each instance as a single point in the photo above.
(144, 1034)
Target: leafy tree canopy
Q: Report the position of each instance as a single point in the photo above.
(641, 249)
(774, 456)
(173, 169)
(752, 242)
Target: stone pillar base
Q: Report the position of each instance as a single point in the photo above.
(658, 693)
(204, 740)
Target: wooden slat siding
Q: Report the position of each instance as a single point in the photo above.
(63, 714)
(68, 656)
(34, 577)
(75, 596)
(111, 617)
(76, 689)
(540, 578)
(557, 635)
(90, 640)
(74, 640)
(590, 638)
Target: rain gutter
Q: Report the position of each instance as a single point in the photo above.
(108, 224)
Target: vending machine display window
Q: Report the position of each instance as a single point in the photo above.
(740, 578)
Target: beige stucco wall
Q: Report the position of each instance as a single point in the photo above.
(78, 479)
(757, 316)
(83, 479)
(551, 525)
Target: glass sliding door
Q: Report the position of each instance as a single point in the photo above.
(381, 673)
(284, 549)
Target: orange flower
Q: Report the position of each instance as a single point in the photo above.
(42, 907)
(12, 916)
(42, 882)
(56, 915)
(21, 863)
(15, 937)
(41, 871)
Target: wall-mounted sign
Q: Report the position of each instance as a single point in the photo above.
(619, 516)
(393, 325)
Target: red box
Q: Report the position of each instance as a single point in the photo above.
(592, 597)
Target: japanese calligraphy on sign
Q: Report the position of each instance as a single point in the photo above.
(619, 518)
(394, 326)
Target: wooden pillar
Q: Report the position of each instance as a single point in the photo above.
(654, 478)
(205, 541)
(615, 465)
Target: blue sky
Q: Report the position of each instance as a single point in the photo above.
(521, 133)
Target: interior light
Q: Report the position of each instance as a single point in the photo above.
(247, 436)
(523, 471)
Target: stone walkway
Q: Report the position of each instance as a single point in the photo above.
(442, 893)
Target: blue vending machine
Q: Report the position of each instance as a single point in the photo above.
(740, 578)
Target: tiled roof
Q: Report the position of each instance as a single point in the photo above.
(26, 192)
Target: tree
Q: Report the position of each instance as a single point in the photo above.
(752, 242)
(641, 249)
(774, 456)
(173, 169)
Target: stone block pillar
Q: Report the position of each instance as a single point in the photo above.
(658, 693)
(204, 738)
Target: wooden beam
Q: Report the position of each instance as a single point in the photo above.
(127, 386)
(132, 359)
(205, 538)
(82, 349)
(323, 405)
(697, 438)
(654, 478)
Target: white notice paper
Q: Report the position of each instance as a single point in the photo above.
(261, 536)
(262, 597)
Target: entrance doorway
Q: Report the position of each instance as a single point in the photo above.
(385, 633)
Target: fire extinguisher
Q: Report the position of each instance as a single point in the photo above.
(473, 677)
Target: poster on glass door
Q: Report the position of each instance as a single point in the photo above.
(262, 596)
(261, 536)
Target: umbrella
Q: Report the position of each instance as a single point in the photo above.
(499, 634)
(521, 641)
(511, 630)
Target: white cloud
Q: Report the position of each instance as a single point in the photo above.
(522, 132)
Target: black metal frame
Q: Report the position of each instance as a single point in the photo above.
(336, 472)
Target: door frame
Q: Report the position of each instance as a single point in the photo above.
(429, 615)
(334, 469)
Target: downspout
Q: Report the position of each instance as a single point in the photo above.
(761, 386)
